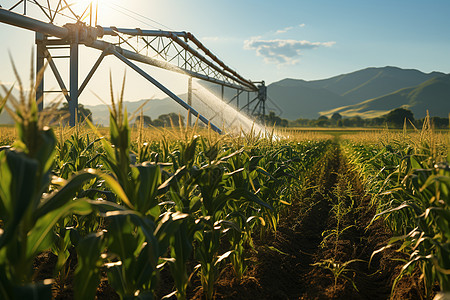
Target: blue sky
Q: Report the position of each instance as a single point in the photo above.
(268, 40)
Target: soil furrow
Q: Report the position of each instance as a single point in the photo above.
(328, 223)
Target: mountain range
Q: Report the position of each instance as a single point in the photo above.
(432, 95)
(349, 94)
(368, 93)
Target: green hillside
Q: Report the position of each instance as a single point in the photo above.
(432, 95)
(304, 99)
(304, 102)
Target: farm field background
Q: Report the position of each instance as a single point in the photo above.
(124, 212)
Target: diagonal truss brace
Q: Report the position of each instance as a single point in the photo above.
(166, 91)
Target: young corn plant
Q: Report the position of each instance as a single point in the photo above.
(29, 214)
(424, 193)
(411, 180)
(216, 194)
(138, 238)
(339, 270)
(342, 204)
(183, 196)
(75, 154)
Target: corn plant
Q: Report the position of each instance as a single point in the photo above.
(411, 176)
(29, 214)
(75, 154)
(339, 270)
(215, 195)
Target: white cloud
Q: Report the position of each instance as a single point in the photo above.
(282, 51)
(284, 30)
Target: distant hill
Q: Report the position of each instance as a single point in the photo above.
(302, 101)
(432, 95)
(305, 99)
(154, 108)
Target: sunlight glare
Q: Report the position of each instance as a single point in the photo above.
(81, 8)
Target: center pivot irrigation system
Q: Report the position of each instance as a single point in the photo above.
(179, 52)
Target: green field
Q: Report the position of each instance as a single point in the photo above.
(144, 213)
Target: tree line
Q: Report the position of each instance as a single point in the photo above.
(394, 119)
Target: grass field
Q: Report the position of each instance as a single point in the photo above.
(124, 212)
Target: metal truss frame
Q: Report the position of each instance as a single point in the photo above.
(179, 52)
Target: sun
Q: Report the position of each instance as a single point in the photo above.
(86, 10)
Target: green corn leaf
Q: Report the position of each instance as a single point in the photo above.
(39, 237)
(443, 212)
(230, 224)
(4, 99)
(189, 152)
(87, 273)
(46, 151)
(64, 195)
(91, 145)
(173, 179)
(144, 266)
(400, 207)
(18, 171)
(168, 225)
(148, 183)
(105, 206)
(121, 239)
(68, 191)
(222, 257)
(435, 178)
(106, 145)
(249, 196)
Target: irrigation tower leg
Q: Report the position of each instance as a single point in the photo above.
(188, 122)
(248, 102)
(40, 57)
(73, 103)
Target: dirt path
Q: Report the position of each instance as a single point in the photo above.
(327, 224)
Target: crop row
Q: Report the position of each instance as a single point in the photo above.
(409, 179)
(132, 210)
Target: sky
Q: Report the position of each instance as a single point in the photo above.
(262, 40)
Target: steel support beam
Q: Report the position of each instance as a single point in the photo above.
(166, 91)
(92, 72)
(40, 64)
(238, 92)
(73, 103)
(56, 73)
(188, 122)
(25, 22)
